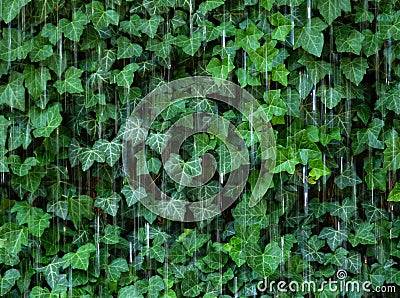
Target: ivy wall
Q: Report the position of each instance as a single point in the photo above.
(326, 73)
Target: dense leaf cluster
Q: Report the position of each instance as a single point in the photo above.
(326, 72)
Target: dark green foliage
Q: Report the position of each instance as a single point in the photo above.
(71, 72)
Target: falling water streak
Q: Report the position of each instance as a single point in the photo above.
(388, 65)
(341, 164)
(147, 239)
(292, 21)
(252, 146)
(314, 104)
(324, 178)
(282, 266)
(130, 252)
(191, 17)
(70, 280)
(9, 47)
(245, 65)
(266, 70)
(97, 241)
(305, 185)
(308, 14)
(235, 286)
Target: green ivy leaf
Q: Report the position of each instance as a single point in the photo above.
(38, 292)
(157, 252)
(156, 141)
(10, 9)
(51, 32)
(71, 83)
(394, 195)
(132, 196)
(131, 26)
(74, 29)
(310, 249)
(80, 207)
(80, 258)
(333, 237)
(209, 5)
(372, 42)
(150, 26)
(275, 105)
(256, 215)
(280, 73)
(318, 169)
(390, 100)
(36, 218)
(325, 138)
(363, 235)
(191, 286)
(355, 69)
(13, 94)
(127, 49)
(310, 37)
(124, 78)
(245, 78)
(344, 211)
(115, 269)
(391, 154)
(153, 286)
(112, 150)
(189, 45)
(101, 18)
(331, 96)
(347, 178)
(11, 45)
(36, 80)
(52, 274)
(8, 280)
(111, 235)
(283, 26)
(88, 156)
(370, 135)
(285, 160)
(234, 248)
(109, 204)
(329, 9)
(267, 4)
(376, 179)
(51, 120)
(248, 39)
(161, 48)
(349, 40)
(129, 292)
(220, 69)
(193, 241)
(38, 222)
(265, 263)
(21, 169)
(338, 258)
(158, 6)
(39, 49)
(14, 237)
(263, 56)
(59, 208)
(31, 181)
(316, 68)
